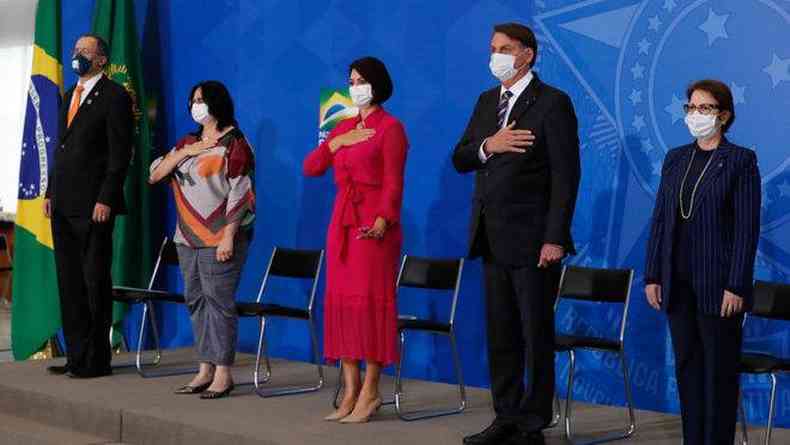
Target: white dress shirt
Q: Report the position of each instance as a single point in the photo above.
(87, 87)
(516, 89)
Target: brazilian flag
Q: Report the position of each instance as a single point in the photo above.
(36, 305)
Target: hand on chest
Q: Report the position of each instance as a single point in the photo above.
(362, 155)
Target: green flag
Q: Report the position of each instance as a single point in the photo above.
(36, 306)
(113, 20)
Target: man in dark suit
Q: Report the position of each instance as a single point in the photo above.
(523, 146)
(86, 192)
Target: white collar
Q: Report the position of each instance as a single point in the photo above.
(519, 86)
(88, 85)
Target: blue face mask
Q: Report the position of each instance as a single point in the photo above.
(81, 64)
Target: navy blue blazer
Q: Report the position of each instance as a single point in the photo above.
(724, 228)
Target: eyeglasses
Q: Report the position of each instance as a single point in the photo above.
(705, 109)
(83, 51)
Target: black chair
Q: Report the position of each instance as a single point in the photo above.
(286, 263)
(432, 274)
(168, 256)
(7, 268)
(602, 286)
(771, 301)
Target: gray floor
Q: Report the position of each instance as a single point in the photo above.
(129, 409)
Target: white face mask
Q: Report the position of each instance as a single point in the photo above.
(361, 95)
(701, 126)
(503, 66)
(200, 113)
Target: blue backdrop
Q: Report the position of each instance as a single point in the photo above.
(625, 63)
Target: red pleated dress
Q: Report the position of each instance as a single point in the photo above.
(360, 311)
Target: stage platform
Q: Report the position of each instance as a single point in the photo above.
(37, 408)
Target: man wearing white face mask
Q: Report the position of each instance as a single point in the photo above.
(700, 260)
(523, 146)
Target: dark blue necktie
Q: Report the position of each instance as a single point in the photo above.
(501, 109)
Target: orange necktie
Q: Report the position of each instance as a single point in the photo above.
(75, 104)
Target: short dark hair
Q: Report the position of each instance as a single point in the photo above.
(374, 71)
(220, 104)
(721, 92)
(101, 44)
(522, 33)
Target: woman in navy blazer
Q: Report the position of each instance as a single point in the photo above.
(700, 261)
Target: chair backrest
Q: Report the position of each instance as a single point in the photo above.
(598, 285)
(6, 263)
(432, 273)
(294, 263)
(168, 256)
(771, 300)
(603, 285)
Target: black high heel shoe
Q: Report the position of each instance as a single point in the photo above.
(211, 395)
(186, 389)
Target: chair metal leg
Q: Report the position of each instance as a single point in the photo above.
(288, 390)
(427, 414)
(339, 385)
(569, 396)
(628, 399)
(256, 374)
(139, 361)
(143, 368)
(771, 409)
(742, 413)
(316, 354)
(557, 411)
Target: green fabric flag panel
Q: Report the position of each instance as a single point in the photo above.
(113, 20)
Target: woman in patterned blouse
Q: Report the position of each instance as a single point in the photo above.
(210, 172)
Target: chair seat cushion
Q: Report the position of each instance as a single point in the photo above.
(568, 342)
(252, 309)
(416, 324)
(757, 363)
(139, 295)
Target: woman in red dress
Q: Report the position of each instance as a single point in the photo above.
(368, 153)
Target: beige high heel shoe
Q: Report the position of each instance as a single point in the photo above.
(363, 417)
(338, 415)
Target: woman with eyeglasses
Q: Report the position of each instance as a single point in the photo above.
(700, 260)
(210, 171)
(368, 155)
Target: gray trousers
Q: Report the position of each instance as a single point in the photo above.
(209, 290)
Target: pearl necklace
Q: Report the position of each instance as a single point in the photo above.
(694, 190)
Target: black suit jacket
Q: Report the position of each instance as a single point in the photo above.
(524, 199)
(93, 155)
(724, 227)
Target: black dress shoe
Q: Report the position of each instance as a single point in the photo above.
(524, 438)
(74, 374)
(58, 370)
(186, 389)
(211, 395)
(496, 434)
